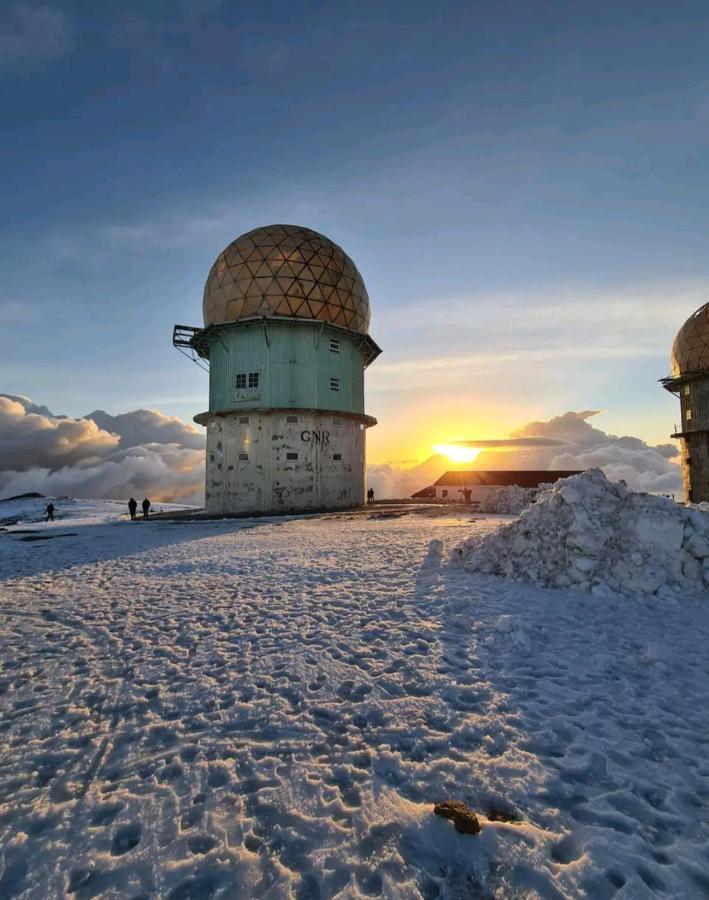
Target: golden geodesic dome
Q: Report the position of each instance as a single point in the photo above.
(690, 351)
(286, 270)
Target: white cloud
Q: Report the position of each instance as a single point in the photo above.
(31, 438)
(163, 472)
(642, 466)
(148, 426)
(568, 441)
(31, 34)
(140, 452)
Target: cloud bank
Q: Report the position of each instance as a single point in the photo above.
(144, 452)
(568, 441)
(642, 466)
(99, 455)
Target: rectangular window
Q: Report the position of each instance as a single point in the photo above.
(243, 457)
(241, 381)
(337, 421)
(688, 415)
(211, 457)
(334, 384)
(444, 493)
(291, 456)
(685, 390)
(337, 456)
(334, 346)
(292, 420)
(253, 379)
(243, 420)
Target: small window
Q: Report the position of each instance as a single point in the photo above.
(685, 390)
(293, 420)
(253, 379)
(334, 346)
(337, 421)
(241, 381)
(243, 420)
(337, 456)
(291, 456)
(688, 415)
(334, 384)
(243, 457)
(444, 493)
(211, 457)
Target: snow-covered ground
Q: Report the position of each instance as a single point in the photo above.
(272, 707)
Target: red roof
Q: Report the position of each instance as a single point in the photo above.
(522, 478)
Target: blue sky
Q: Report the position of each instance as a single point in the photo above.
(524, 187)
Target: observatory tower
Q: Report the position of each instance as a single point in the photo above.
(690, 381)
(286, 335)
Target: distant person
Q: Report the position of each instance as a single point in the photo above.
(49, 513)
(132, 507)
(370, 495)
(146, 507)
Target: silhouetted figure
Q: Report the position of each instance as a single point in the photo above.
(132, 507)
(467, 495)
(146, 507)
(49, 513)
(370, 495)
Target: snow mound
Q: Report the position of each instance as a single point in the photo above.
(591, 534)
(509, 500)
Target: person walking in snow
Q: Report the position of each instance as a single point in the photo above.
(370, 495)
(49, 512)
(132, 507)
(146, 507)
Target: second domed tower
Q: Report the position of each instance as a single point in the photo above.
(286, 334)
(690, 381)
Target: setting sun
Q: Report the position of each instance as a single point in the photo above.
(457, 454)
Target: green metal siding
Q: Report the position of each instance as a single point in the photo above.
(294, 363)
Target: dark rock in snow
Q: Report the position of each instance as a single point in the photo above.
(464, 819)
(496, 814)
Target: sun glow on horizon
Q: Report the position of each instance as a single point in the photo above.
(456, 453)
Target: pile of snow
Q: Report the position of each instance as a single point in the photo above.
(588, 533)
(509, 500)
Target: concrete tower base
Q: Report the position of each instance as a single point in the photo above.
(282, 461)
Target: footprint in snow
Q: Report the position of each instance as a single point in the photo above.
(126, 838)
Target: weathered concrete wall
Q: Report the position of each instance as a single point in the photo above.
(249, 469)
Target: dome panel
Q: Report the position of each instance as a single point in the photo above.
(690, 351)
(270, 270)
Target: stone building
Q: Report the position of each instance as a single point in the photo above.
(286, 335)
